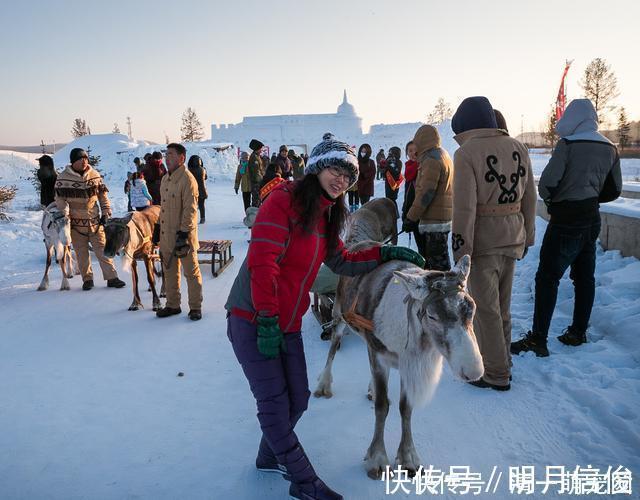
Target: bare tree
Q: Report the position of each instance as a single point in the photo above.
(79, 128)
(191, 129)
(116, 129)
(600, 86)
(624, 129)
(442, 111)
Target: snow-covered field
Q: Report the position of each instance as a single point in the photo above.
(91, 405)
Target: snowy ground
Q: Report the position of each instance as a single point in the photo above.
(91, 405)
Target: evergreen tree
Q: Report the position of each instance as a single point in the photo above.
(93, 160)
(79, 128)
(7, 193)
(624, 129)
(600, 86)
(550, 135)
(191, 130)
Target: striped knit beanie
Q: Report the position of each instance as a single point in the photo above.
(333, 153)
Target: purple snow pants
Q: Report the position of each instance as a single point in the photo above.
(281, 390)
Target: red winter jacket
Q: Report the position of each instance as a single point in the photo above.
(410, 171)
(283, 261)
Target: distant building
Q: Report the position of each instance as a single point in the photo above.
(301, 132)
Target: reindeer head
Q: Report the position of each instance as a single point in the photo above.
(441, 311)
(116, 233)
(58, 226)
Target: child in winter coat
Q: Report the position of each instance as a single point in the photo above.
(139, 193)
(242, 180)
(393, 178)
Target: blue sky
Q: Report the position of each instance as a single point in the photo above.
(103, 61)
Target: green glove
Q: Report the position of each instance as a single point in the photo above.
(391, 252)
(270, 337)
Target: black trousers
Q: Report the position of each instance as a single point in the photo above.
(246, 199)
(563, 247)
(201, 207)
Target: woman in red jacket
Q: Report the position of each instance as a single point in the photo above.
(296, 230)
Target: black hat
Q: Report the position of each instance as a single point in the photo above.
(255, 144)
(45, 161)
(77, 154)
(283, 148)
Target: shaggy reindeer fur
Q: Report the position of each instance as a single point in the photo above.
(419, 317)
(56, 229)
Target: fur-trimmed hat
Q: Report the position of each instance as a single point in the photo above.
(255, 144)
(332, 153)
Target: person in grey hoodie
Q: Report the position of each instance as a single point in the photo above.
(583, 172)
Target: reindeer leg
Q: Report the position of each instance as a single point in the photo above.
(407, 456)
(69, 268)
(137, 303)
(63, 269)
(44, 284)
(151, 278)
(376, 459)
(325, 379)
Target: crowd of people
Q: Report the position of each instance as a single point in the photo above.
(484, 199)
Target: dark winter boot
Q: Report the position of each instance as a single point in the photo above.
(202, 220)
(87, 285)
(573, 337)
(314, 490)
(195, 314)
(483, 384)
(168, 311)
(115, 283)
(531, 342)
(266, 461)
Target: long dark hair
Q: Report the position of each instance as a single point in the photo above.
(307, 193)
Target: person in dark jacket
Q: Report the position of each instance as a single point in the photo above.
(153, 172)
(47, 176)
(500, 121)
(380, 161)
(127, 190)
(392, 170)
(283, 161)
(367, 169)
(410, 175)
(255, 168)
(297, 164)
(295, 231)
(197, 169)
(583, 172)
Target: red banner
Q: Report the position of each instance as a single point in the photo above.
(561, 100)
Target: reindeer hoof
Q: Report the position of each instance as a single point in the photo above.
(42, 288)
(323, 392)
(134, 307)
(69, 276)
(157, 307)
(375, 473)
(163, 295)
(65, 288)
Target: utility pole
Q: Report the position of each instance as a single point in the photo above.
(129, 127)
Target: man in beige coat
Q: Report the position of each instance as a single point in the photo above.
(431, 210)
(179, 234)
(82, 195)
(494, 203)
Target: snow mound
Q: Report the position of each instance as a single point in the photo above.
(16, 167)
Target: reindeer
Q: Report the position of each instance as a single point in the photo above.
(56, 229)
(132, 235)
(410, 319)
(376, 220)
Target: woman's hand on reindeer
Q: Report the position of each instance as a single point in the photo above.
(391, 252)
(270, 337)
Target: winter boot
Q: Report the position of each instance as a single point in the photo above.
(483, 384)
(195, 314)
(115, 283)
(202, 220)
(266, 461)
(573, 337)
(531, 342)
(168, 311)
(87, 285)
(314, 490)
